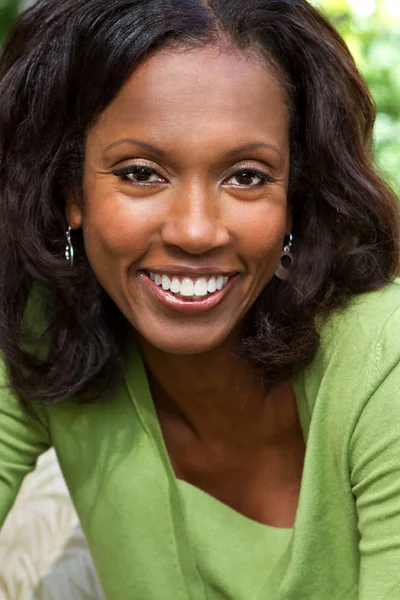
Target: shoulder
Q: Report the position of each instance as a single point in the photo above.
(13, 414)
(359, 348)
(365, 315)
(365, 333)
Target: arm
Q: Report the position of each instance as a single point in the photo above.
(375, 475)
(22, 440)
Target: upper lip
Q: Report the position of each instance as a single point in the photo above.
(191, 271)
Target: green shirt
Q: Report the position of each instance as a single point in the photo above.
(153, 537)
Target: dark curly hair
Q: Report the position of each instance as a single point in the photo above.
(63, 64)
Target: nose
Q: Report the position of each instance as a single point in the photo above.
(195, 223)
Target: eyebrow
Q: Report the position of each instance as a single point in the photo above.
(230, 155)
(135, 142)
(254, 146)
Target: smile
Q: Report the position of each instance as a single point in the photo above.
(188, 294)
(189, 287)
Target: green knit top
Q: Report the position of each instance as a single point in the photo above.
(154, 537)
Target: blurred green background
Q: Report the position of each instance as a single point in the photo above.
(372, 30)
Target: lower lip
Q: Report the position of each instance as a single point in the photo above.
(187, 306)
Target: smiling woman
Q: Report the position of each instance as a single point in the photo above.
(201, 192)
(198, 297)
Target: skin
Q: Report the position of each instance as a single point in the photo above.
(211, 117)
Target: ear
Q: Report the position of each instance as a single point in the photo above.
(73, 211)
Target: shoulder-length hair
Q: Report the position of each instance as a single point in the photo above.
(63, 64)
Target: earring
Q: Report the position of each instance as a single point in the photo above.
(69, 249)
(286, 261)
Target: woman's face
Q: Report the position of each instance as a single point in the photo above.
(185, 193)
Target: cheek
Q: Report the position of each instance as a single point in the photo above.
(116, 236)
(116, 233)
(259, 234)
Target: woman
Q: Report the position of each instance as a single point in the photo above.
(198, 305)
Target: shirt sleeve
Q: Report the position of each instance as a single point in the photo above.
(375, 476)
(22, 440)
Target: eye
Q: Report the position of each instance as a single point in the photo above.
(247, 177)
(140, 174)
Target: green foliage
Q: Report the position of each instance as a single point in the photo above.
(375, 44)
(8, 12)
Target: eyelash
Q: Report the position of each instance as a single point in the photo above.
(124, 173)
(252, 172)
(135, 170)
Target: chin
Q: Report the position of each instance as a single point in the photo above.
(185, 343)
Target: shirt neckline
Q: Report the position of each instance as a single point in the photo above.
(138, 386)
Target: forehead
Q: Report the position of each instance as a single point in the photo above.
(199, 94)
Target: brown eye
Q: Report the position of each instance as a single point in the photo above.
(139, 174)
(249, 178)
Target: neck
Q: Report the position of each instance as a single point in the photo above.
(210, 393)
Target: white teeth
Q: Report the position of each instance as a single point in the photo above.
(220, 282)
(175, 286)
(187, 287)
(200, 287)
(166, 283)
(212, 286)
